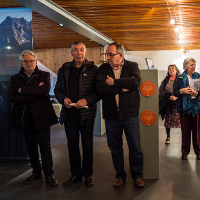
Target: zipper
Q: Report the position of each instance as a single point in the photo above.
(23, 116)
(80, 86)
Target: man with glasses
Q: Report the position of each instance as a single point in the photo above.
(75, 90)
(117, 82)
(34, 114)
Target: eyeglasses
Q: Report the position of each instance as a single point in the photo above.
(27, 61)
(109, 54)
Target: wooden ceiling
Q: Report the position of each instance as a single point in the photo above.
(140, 25)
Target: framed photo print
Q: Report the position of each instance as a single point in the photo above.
(149, 62)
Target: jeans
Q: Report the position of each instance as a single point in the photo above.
(114, 130)
(73, 128)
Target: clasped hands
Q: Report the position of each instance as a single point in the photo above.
(110, 81)
(80, 103)
(188, 90)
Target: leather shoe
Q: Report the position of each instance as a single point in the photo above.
(184, 157)
(51, 180)
(33, 177)
(198, 157)
(139, 183)
(119, 182)
(89, 181)
(73, 179)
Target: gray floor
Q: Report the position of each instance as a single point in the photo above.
(178, 179)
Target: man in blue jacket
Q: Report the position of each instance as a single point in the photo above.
(117, 82)
(75, 90)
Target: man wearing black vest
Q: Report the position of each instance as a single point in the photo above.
(75, 90)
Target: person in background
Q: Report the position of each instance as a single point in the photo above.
(34, 114)
(167, 101)
(117, 82)
(186, 88)
(75, 90)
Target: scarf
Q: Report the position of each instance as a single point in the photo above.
(190, 106)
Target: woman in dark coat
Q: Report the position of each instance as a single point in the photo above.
(167, 101)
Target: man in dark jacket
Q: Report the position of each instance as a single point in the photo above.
(75, 90)
(33, 112)
(117, 82)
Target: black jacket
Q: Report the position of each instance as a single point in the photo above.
(129, 102)
(165, 104)
(32, 96)
(87, 89)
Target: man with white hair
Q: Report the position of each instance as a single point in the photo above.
(34, 114)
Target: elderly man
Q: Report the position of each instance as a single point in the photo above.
(34, 114)
(75, 90)
(117, 82)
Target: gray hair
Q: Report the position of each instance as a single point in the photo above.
(187, 60)
(119, 48)
(77, 43)
(27, 52)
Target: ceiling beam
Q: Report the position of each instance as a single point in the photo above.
(56, 13)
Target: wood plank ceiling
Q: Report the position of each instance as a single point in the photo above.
(140, 25)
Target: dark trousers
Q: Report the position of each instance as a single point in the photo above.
(34, 137)
(73, 126)
(190, 125)
(114, 131)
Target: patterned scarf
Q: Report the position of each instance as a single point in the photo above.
(190, 106)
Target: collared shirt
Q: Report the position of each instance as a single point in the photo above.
(29, 74)
(117, 74)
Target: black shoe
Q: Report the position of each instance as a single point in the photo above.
(198, 157)
(33, 177)
(51, 180)
(89, 181)
(73, 179)
(184, 157)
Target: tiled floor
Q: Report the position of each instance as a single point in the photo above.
(179, 179)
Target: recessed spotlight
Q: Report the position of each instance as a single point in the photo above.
(180, 41)
(172, 21)
(177, 28)
(60, 24)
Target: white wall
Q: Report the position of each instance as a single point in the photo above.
(162, 59)
(53, 76)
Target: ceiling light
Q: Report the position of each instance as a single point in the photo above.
(172, 21)
(180, 41)
(177, 28)
(8, 47)
(180, 36)
(60, 24)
